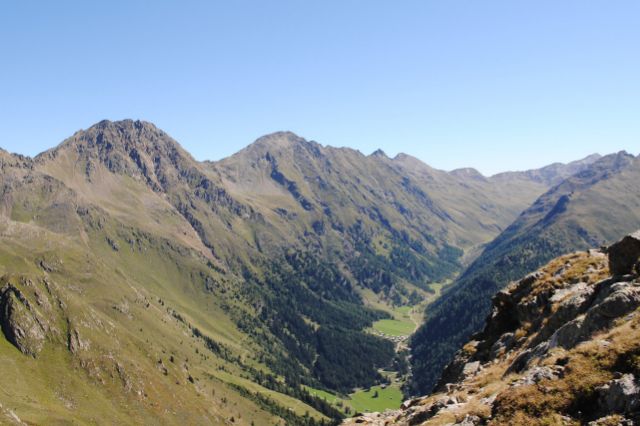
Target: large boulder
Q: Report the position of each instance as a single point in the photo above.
(620, 395)
(624, 255)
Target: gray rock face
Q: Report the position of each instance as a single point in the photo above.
(613, 302)
(537, 374)
(471, 368)
(74, 342)
(423, 413)
(470, 420)
(620, 395)
(624, 298)
(568, 335)
(573, 301)
(624, 255)
(19, 321)
(454, 372)
(504, 343)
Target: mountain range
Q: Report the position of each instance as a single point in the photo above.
(143, 286)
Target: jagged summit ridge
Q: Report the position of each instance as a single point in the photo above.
(123, 135)
(135, 148)
(552, 174)
(143, 134)
(379, 153)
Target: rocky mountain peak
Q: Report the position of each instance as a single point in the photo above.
(278, 140)
(130, 147)
(124, 135)
(402, 157)
(588, 159)
(274, 145)
(116, 143)
(468, 173)
(126, 124)
(414, 165)
(379, 153)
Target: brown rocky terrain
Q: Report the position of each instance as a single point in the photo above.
(560, 347)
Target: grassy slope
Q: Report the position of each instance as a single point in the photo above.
(394, 327)
(366, 401)
(402, 323)
(130, 315)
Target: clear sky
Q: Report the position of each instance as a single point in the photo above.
(497, 85)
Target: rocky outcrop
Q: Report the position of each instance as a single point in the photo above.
(559, 347)
(620, 395)
(21, 324)
(617, 299)
(31, 312)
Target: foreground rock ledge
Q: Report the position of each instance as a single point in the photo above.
(561, 346)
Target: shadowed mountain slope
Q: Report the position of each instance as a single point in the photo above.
(588, 209)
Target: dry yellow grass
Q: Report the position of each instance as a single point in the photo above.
(589, 365)
(588, 267)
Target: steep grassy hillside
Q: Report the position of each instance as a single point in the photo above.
(588, 209)
(100, 339)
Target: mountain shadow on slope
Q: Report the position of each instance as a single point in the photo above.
(585, 210)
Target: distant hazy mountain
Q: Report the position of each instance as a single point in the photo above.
(142, 286)
(552, 174)
(593, 207)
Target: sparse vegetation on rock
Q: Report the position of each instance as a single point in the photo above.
(560, 346)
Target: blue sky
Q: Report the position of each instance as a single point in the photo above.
(497, 85)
